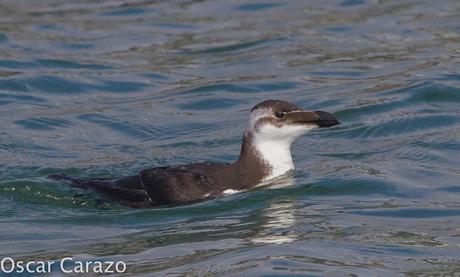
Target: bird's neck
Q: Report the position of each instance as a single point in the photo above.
(265, 159)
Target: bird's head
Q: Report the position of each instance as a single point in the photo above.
(273, 126)
(278, 120)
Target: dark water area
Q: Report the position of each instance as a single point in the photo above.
(103, 89)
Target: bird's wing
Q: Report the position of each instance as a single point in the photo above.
(176, 185)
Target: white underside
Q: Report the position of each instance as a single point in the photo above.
(230, 191)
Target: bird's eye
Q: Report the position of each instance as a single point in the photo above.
(280, 114)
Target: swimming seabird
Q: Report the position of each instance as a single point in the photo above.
(265, 154)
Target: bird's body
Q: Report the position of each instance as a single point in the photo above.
(265, 154)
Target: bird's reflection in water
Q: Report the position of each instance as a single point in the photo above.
(279, 217)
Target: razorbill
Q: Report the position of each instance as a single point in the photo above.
(265, 154)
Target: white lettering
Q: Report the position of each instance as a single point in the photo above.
(66, 265)
(109, 268)
(63, 269)
(41, 267)
(87, 266)
(123, 266)
(50, 263)
(2, 265)
(28, 264)
(20, 267)
(79, 268)
(98, 268)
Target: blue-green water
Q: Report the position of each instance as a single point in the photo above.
(100, 89)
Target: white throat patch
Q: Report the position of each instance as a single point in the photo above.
(273, 144)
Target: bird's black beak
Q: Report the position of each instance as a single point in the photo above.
(319, 118)
(326, 119)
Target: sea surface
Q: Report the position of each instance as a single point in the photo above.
(107, 88)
